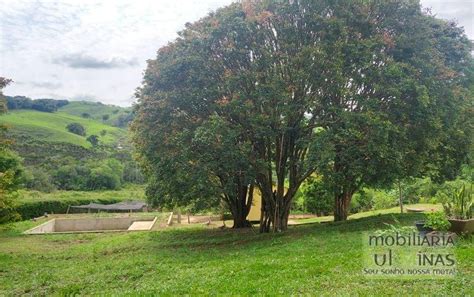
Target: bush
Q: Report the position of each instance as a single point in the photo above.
(92, 176)
(28, 210)
(93, 139)
(437, 221)
(71, 177)
(76, 128)
(383, 199)
(420, 190)
(132, 174)
(10, 162)
(11, 177)
(103, 178)
(8, 195)
(361, 201)
(317, 197)
(39, 180)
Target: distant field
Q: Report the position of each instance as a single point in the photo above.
(52, 127)
(95, 110)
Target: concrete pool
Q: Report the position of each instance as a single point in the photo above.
(82, 225)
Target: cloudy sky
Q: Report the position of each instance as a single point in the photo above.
(97, 50)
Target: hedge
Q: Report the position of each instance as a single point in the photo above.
(32, 209)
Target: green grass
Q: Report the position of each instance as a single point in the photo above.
(94, 109)
(130, 192)
(52, 127)
(315, 259)
(364, 214)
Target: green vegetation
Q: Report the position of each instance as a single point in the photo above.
(318, 259)
(51, 127)
(130, 192)
(437, 221)
(30, 204)
(11, 171)
(68, 152)
(44, 105)
(365, 94)
(109, 114)
(76, 128)
(460, 203)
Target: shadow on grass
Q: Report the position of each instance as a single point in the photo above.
(231, 239)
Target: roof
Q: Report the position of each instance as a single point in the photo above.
(127, 205)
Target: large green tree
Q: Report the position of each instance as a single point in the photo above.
(189, 154)
(396, 96)
(352, 89)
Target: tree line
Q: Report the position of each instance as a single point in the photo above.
(261, 95)
(45, 105)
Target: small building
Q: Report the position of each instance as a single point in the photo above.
(254, 213)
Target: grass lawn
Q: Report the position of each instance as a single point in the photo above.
(312, 259)
(425, 206)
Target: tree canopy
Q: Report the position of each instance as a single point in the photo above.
(362, 92)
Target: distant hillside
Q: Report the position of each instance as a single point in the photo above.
(51, 127)
(109, 114)
(55, 158)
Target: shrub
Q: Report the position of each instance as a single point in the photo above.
(361, 201)
(11, 163)
(71, 177)
(459, 203)
(93, 139)
(383, 199)
(93, 175)
(28, 210)
(39, 180)
(8, 195)
(76, 128)
(103, 178)
(318, 198)
(437, 221)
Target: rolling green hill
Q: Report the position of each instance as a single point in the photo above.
(96, 110)
(51, 127)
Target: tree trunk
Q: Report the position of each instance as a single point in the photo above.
(341, 207)
(241, 222)
(274, 213)
(400, 197)
(265, 214)
(241, 208)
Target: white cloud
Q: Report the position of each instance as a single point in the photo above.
(68, 48)
(98, 48)
(83, 61)
(461, 11)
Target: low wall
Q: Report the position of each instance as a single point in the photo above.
(86, 225)
(47, 227)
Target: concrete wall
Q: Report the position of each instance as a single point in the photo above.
(85, 224)
(47, 227)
